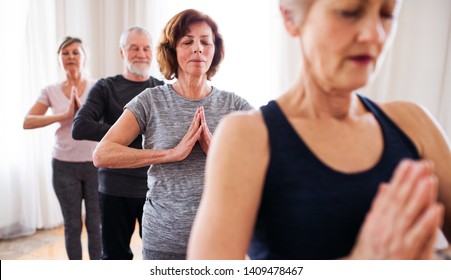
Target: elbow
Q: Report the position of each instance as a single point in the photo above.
(76, 135)
(26, 124)
(97, 158)
(76, 132)
(101, 156)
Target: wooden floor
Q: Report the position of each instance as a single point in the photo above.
(49, 245)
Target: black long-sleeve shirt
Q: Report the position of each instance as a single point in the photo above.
(103, 106)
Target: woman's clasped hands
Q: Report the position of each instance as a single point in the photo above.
(74, 103)
(404, 217)
(198, 131)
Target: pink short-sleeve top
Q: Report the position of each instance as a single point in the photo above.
(66, 148)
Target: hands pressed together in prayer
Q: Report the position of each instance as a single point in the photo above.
(74, 103)
(197, 132)
(404, 217)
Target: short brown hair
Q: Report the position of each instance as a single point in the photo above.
(175, 29)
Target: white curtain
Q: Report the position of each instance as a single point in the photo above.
(418, 67)
(28, 63)
(261, 62)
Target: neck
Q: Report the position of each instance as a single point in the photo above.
(192, 87)
(74, 78)
(135, 78)
(312, 100)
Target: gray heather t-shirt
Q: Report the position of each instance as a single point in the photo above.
(175, 188)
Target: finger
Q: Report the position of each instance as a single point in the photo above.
(398, 176)
(380, 198)
(390, 203)
(205, 125)
(195, 123)
(72, 96)
(421, 198)
(198, 134)
(73, 90)
(401, 170)
(383, 202)
(201, 114)
(423, 230)
(404, 186)
(429, 250)
(193, 136)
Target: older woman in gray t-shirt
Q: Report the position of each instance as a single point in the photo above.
(177, 122)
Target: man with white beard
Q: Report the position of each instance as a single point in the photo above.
(122, 192)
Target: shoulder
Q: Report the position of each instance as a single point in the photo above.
(155, 82)
(160, 92)
(252, 117)
(243, 127)
(240, 150)
(225, 94)
(407, 115)
(416, 121)
(239, 102)
(152, 94)
(104, 82)
(51, 89)
(90, 82)
(159, 89)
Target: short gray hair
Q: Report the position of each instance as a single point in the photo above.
(296, 8)
(126, 33)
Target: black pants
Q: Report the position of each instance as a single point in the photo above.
(119, 215)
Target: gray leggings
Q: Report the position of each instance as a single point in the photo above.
(155, 255)
(73, 182)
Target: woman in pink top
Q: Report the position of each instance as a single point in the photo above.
(74, 175)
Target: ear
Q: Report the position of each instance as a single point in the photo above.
(291, 24)
(121, 51)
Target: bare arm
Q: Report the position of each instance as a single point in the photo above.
(36, 117)
(113, 151)
(235, 170)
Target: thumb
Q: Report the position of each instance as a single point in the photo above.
(73, 90)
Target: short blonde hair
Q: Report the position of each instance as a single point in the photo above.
(175, 29)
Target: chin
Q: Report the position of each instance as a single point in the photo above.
(356, 81)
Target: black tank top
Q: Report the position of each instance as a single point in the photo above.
(308, 210)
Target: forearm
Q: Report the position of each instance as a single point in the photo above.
(36, 121)
(113, 155)
(89, 122)
(87, 129)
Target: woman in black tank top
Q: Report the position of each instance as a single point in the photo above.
(322, 172)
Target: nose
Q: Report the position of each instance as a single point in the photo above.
(198, 48)
(374, 30)
(141, 52)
